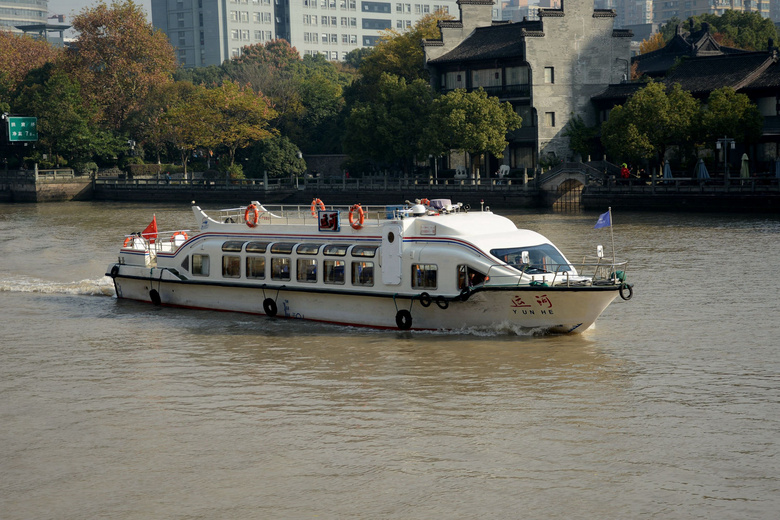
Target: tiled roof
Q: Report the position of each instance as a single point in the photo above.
(494, 42)
(702, 75)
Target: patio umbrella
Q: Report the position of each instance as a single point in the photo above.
(744, 171)
(701, 170)
(667, 170)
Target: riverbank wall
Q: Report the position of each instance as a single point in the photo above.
(44, 186)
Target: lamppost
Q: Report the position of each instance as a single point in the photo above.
(724, 143)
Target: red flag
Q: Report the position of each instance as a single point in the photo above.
(150, 233)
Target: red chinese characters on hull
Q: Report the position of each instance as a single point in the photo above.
(540, 303)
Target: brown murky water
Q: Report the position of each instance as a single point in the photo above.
(669, 408)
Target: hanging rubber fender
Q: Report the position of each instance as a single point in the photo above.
(425, 299)
(114, 271)
(269, 307)
(465, 293)
(442, 302)
(177, 234)
(251, 215)
(403, 319)
(356, 221)
(155, 297)
(316, 203)
(630, 291)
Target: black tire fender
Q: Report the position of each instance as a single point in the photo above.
(403, 319)
(442, 302)
(425, 299)
(269, 307)
(630, 291)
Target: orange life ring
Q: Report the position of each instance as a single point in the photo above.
(426, 202)
(356, 224)
(253, 221)
(179, 233)
(316, 203)
(127, 241)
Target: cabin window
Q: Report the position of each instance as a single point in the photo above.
(282, 247)
(424, 276)
(308, 249)
(255, 267)
(231, 266)
(369, 251)
(256, 247)
(469, 277)
(233, 246)
(335, 250)
(363, 273)
(543, 258)
(185, 264)
(307, 270)
(200, 265)
(280, 268)
(334, 271)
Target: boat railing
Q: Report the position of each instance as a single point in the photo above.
(589, 272)
(308, 215)
(164, 242)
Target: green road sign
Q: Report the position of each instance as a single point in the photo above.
(22, 129)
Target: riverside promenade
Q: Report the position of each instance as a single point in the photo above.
(569, 189)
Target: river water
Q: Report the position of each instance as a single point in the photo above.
(669, 408)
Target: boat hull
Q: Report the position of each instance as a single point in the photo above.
(556, 309)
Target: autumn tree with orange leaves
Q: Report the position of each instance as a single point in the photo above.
(18, 56)
(118, 58)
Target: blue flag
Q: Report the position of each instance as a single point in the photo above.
(604, 221)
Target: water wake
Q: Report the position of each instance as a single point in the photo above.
(100, 287)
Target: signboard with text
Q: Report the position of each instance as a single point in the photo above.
(22, 129)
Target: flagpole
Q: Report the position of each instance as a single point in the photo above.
(612, 235)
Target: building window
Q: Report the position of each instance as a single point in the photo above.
(549, 118)
(549, 74)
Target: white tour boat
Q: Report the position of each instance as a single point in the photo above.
(422, 265)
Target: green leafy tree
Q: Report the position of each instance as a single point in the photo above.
(66, 122)
(401, 53)
(188, 125)
(390, 129)
(730, 114)
(583, 139)
(239, 117)
(277, 156)
(119, 57)
(471, 122)
(744, 30)
(650, 122)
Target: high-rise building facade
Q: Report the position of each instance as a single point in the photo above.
(208, 32)
(664, 10)
(22, 12)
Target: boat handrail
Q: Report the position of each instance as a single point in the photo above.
(594, 273)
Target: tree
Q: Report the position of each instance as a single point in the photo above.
(728, 113)
(277, 156)
(582, 138)
(650, 122)
(239, 118)
(400, 53)
(471, 122)
(119, 57)
(390, 128)
(19, 55)
(66, 123)
(188, 125)
(743, 30)
(278, 53)
(653, 43)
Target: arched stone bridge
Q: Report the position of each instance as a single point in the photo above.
(562, 185)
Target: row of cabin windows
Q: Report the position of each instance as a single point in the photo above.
(423, 276)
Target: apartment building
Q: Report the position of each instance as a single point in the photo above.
(208, 32)
(22, 12)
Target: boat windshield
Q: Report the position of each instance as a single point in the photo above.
(543, 258)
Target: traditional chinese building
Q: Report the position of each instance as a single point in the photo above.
(547, 69)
